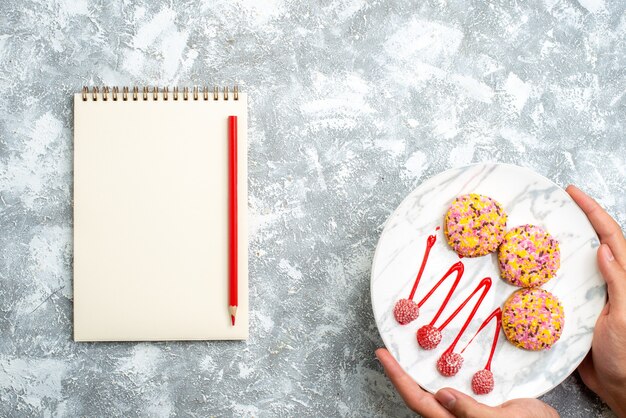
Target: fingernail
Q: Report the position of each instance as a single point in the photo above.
(445, 398)
(608, 253)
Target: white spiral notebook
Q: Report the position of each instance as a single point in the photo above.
(151, 214)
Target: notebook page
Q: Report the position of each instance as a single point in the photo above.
(151, 219)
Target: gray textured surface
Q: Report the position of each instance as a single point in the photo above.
(352, 104)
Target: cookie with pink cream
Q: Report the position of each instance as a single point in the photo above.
(475, 225)
(533, 319)
(529, 256)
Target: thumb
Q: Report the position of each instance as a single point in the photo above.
(615, 277)
(463, 406)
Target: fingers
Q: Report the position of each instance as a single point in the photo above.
(587, 373)
(463, 406)
(414, 396)
(615, 277)
(607, 228)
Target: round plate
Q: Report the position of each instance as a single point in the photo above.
(528, 198)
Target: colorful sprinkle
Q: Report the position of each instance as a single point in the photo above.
(475, 225)
(528, 256)
(532, 319)
(406, 311)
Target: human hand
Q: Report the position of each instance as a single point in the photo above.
(452, 403)
(604, 368)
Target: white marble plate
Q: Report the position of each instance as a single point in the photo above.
(528, 198)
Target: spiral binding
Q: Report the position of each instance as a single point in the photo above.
(113, 93)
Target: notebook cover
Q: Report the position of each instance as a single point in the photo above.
(151, 219)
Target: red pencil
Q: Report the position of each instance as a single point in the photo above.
(232, 224)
